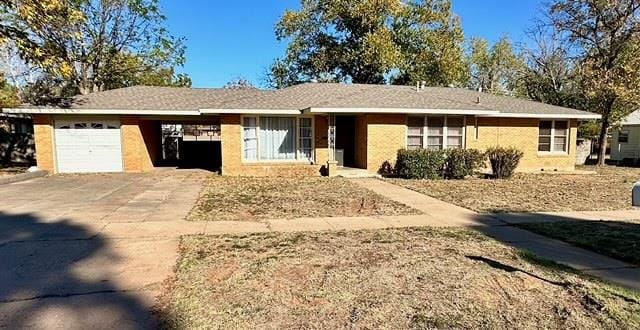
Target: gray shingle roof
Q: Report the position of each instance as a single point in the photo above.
(161, 98)
(313, 95)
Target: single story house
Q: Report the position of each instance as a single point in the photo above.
(625, 139)
(307, 129)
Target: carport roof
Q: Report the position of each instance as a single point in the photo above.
(308, 97)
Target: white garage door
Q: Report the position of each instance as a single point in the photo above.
(88, 146)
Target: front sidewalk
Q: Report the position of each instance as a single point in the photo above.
(500, 227)
(436, 214)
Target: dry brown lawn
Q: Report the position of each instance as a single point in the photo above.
(393, 279)
(256, 199)
(609, 189)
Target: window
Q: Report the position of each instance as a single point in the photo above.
(305, 143)
(415, 133)
(442, 132)
(623, 137)
(553, 136)
(278, 138)
(455, 132)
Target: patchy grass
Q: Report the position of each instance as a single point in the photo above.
(609, 189)
(620, 240)
(255, 199)
(395, 279)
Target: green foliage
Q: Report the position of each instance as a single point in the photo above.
(438, 164)
(504, 161)
(497, 69)
(370, 41)
(463, 162)
(589, 129)
(605, 38)
(421, 164)
(95, 45)
(8, 94)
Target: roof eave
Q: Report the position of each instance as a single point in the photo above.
(62, 111)
(251, 111)
(585, 115)
(401, 111)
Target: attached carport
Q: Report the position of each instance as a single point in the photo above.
(128, 130)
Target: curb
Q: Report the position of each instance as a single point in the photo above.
(22, 177)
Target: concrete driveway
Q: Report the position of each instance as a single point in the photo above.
(91, 251)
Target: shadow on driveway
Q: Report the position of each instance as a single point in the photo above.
(57, 275)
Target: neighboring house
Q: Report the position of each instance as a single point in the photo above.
(16, 140)
(625, 139)
(300, 130)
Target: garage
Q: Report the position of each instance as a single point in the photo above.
(88, 146)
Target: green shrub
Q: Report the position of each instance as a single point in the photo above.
(504, 161)
(420, 164)
(463, 162)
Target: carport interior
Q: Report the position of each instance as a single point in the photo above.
(184, 142)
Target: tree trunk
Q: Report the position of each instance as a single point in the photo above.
(602, 139)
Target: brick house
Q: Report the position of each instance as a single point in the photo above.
(301, 130)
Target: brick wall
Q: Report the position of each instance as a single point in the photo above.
(136, 155)
(521, 133)
(232, 164)
(385, 135)
(44, 140)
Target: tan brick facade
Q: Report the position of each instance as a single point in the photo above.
(521, 133)
(136, 156)
(377, 139)
(386, 134)
(45, 143)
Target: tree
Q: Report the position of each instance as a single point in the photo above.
(370, 41)
(605, 36)
(90, 43)
(497, 69)
(239, 83)
(431, 41)
(551, 75)
(8, 94)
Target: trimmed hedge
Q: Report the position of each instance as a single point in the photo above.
(438, 164)
(462, 163)
(420, 164)
(504, 161)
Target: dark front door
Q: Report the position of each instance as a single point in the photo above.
(345, 140)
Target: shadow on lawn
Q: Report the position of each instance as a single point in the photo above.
(41, 284)
(616, 239)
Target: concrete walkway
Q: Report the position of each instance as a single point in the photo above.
(500, 227)
(94, 250)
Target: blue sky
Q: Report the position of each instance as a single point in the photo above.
(230, 39)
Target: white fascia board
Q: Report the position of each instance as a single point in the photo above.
(250, 112)
(403, 111)
(60, 111)
(544, 116)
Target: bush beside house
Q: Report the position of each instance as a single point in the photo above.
(455, 163)
(504, 161)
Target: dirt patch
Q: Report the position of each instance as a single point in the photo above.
(397, 279)
(256, 199)
(609, 189)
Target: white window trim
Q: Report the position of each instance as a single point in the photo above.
(553, 137)
(445, 131)
(623, 132)
(298, 159)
